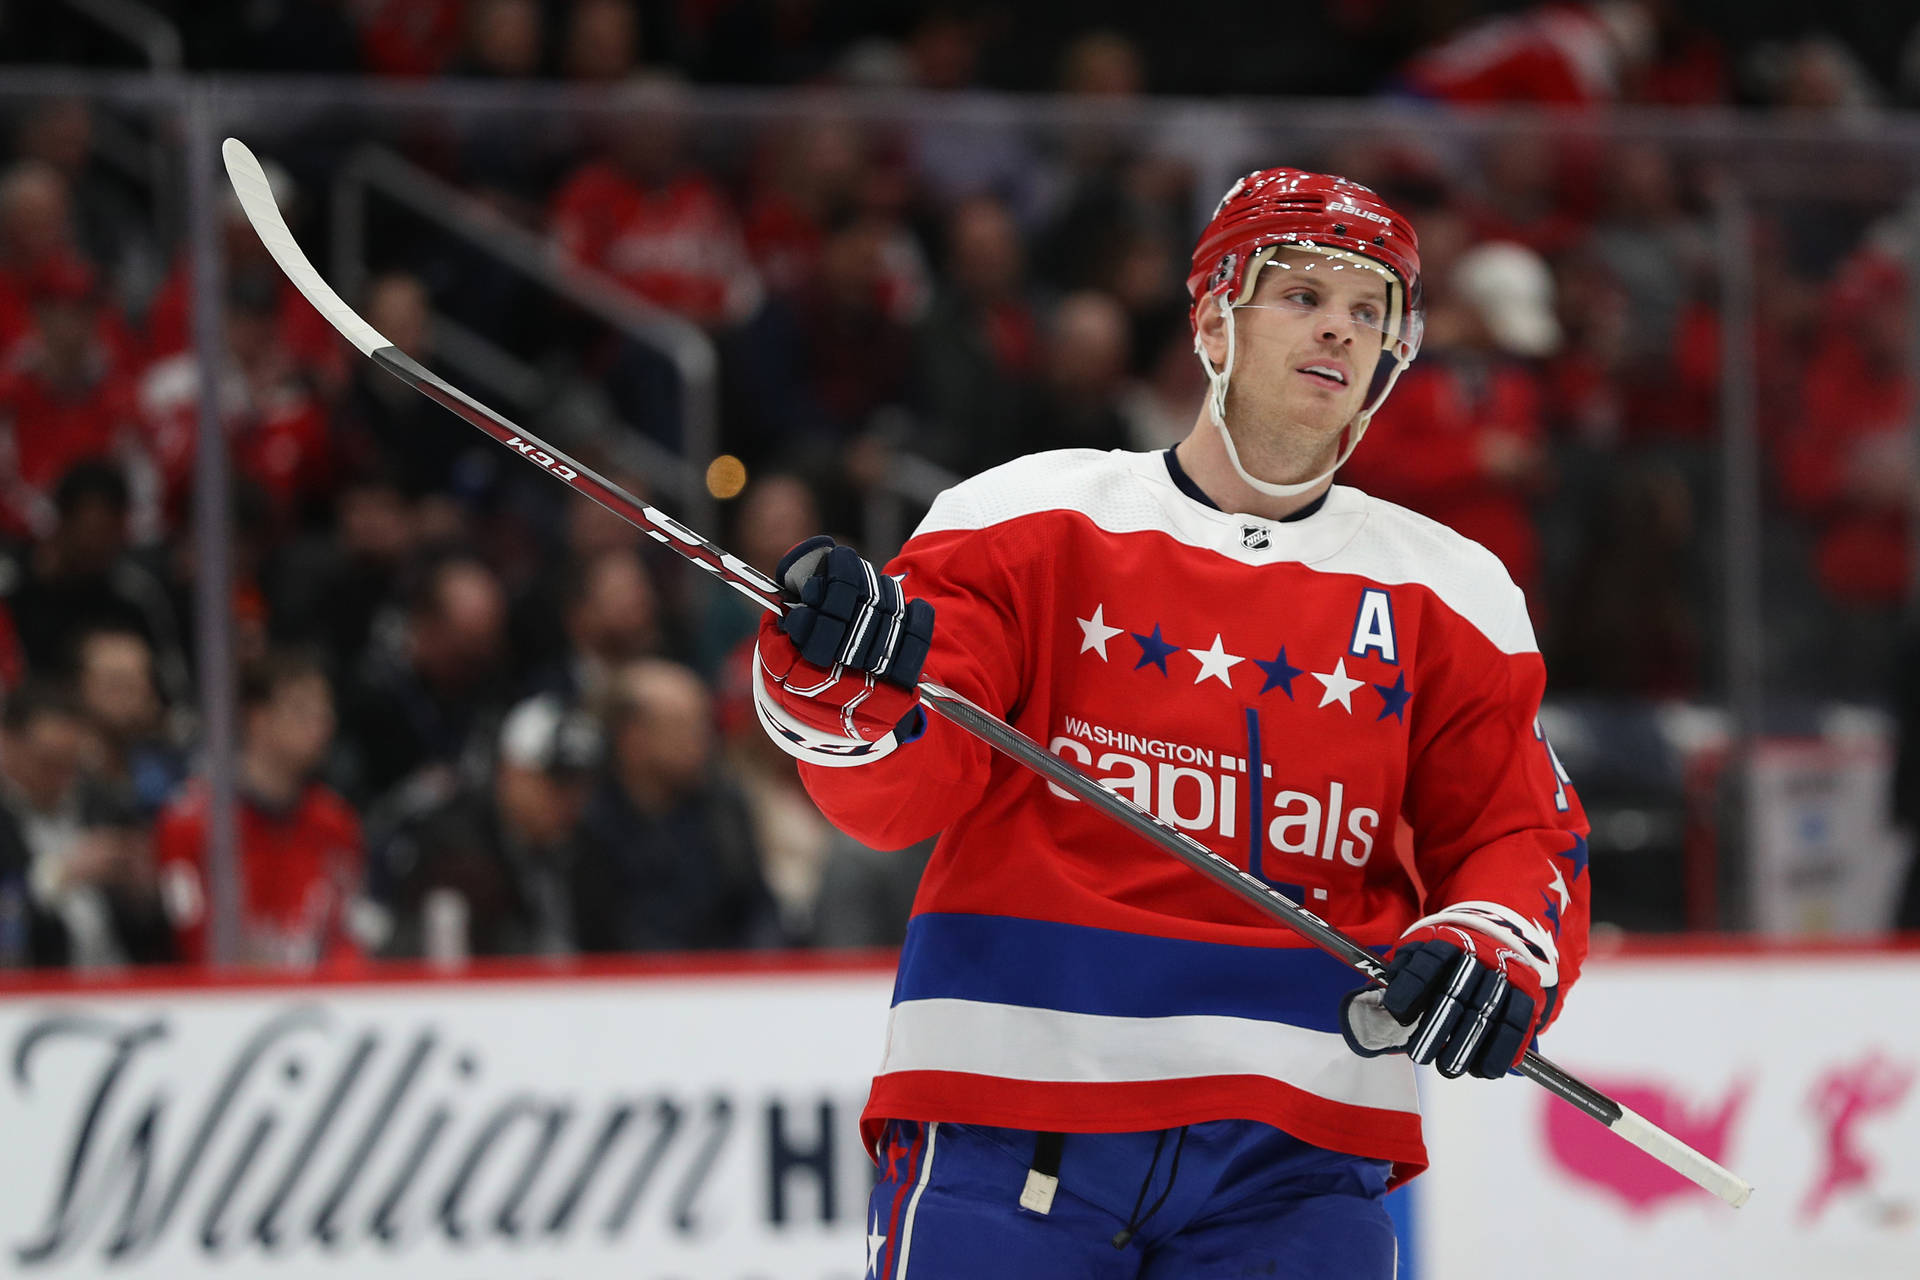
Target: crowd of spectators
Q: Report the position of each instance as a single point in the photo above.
(480, 717)
(1658, 51)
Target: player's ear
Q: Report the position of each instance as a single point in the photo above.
(1211, 329)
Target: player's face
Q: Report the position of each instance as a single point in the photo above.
(1306, 345)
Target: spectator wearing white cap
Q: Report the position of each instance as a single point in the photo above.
(495, 869)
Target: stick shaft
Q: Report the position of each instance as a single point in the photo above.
(257, 200)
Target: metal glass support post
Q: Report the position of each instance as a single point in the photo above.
(1740, 529)
(212, 529)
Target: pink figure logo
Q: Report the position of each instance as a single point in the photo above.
(1585, 1150)
(1840, 1100)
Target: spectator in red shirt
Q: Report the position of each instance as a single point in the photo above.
(36, 227)
(810, 172)
(1849, 467)
(34, 223)
(1552, 54)
(410, 37)
(276, 428)
(108, 224)
(1461, 438)
(665, 231)
(315, 350)
(301, 855)
(62, 400)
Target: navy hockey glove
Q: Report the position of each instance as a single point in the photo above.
(1466, 1000)
(834, 677)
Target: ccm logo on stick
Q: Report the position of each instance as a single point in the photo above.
(544, 458)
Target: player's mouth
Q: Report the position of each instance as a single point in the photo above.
(1327, 372)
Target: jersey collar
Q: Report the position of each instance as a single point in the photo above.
(1315, 533)
(1187, 485)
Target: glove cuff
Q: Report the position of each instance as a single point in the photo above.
(1503, 925)
(813, 745)
(1369, 1029)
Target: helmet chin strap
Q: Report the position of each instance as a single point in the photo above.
(1217, 410)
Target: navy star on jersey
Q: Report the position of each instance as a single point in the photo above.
(1394, 699)
(1153, 649)
(1279, 673)
(1577, 856)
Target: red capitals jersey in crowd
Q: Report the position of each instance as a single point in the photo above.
(316, 347)
(1289, 693)
(44, 431)
(299, 871)
(1855, 416)
(278, 435)
(678, 246)
(1556, 53)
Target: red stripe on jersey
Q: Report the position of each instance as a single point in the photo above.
(1136, 1106)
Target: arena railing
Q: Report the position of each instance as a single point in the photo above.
(377, 170)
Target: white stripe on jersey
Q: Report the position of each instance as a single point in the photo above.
(1014, 1042)
(1354, 533)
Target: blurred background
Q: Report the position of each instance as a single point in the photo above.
(301, 673)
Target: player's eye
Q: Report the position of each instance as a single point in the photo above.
(1305, 299)
(1368, 314)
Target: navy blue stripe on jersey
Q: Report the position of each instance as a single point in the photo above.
(1077, 969)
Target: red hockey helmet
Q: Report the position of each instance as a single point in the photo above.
(1333, 217)
(1314, 211)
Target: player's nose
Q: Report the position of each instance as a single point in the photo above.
(1336, 328)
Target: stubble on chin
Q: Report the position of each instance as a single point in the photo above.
(1275, 444)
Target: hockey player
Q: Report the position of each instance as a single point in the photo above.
(1099, 1065)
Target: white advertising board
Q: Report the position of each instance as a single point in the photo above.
(1825, 855)
(673, 1126)
(681, 1128)
(1800, 1071)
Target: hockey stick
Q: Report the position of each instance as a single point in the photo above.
(256, 199)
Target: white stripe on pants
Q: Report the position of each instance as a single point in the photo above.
(906, 1227)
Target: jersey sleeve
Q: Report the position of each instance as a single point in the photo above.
(969, 575)
(1498, 830)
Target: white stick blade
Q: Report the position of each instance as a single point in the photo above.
(256, 201)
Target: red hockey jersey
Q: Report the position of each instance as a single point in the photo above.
(1289, 693)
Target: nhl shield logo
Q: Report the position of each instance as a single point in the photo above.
(1255, 537)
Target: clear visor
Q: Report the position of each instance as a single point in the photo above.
(1343, 287)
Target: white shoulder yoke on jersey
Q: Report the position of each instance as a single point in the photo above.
(1353, 533)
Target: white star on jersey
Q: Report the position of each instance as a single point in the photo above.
(1339, 685)
(1559, 886)
(1215, 663)
(875, 1243)
(1094, 632)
